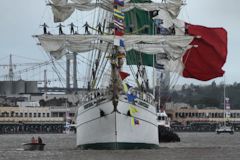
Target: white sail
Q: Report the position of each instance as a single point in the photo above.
(59, 2)
(165, 17)
(174, 7)
(64, 2)
(57, 40)
(62, 11)
(82, 1)
(179, 27)
(58, 54)
(174, 45)
(171, 65)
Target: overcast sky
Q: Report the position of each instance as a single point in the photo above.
(20, 19)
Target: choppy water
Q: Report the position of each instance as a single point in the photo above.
(193, 146)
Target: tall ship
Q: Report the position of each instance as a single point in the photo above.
(129, 43)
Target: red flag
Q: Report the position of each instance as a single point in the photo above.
(206, 61)
(118, 32)
(123, 75)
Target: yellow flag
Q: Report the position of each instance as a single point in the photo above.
(132, 110)
(125, 87)
(132, 121)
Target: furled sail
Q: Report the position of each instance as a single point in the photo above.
(59, 2)
(82, 1)
(62, 12)
(154, 44)
(62, 9)
(171, 65)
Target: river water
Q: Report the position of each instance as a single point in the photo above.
(193, 146)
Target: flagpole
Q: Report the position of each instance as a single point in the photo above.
(224, 102)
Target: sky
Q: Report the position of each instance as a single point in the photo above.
(19, 20)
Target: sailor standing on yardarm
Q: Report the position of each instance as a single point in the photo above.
(86, 28)
(99, 28)
(72, 28)
(44, 25)
(60, 28)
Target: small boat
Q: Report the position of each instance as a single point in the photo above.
(225, 129)
(33, 146)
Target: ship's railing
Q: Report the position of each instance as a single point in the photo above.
(95, 95)
(144, 96)
(101, 94)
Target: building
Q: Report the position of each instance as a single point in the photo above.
(184, 115)
(34, 119)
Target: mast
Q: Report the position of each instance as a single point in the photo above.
(114, 84)
(118, 50)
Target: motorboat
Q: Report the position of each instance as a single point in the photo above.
(225, 129)
(33, 146)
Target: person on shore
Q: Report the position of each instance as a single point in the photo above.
(33, 140)
(39, 140)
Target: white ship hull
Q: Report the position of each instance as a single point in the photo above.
(115, 129)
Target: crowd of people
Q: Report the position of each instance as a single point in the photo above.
(160, 29)
(72, 28)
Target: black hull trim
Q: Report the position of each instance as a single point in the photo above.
(118, 145)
